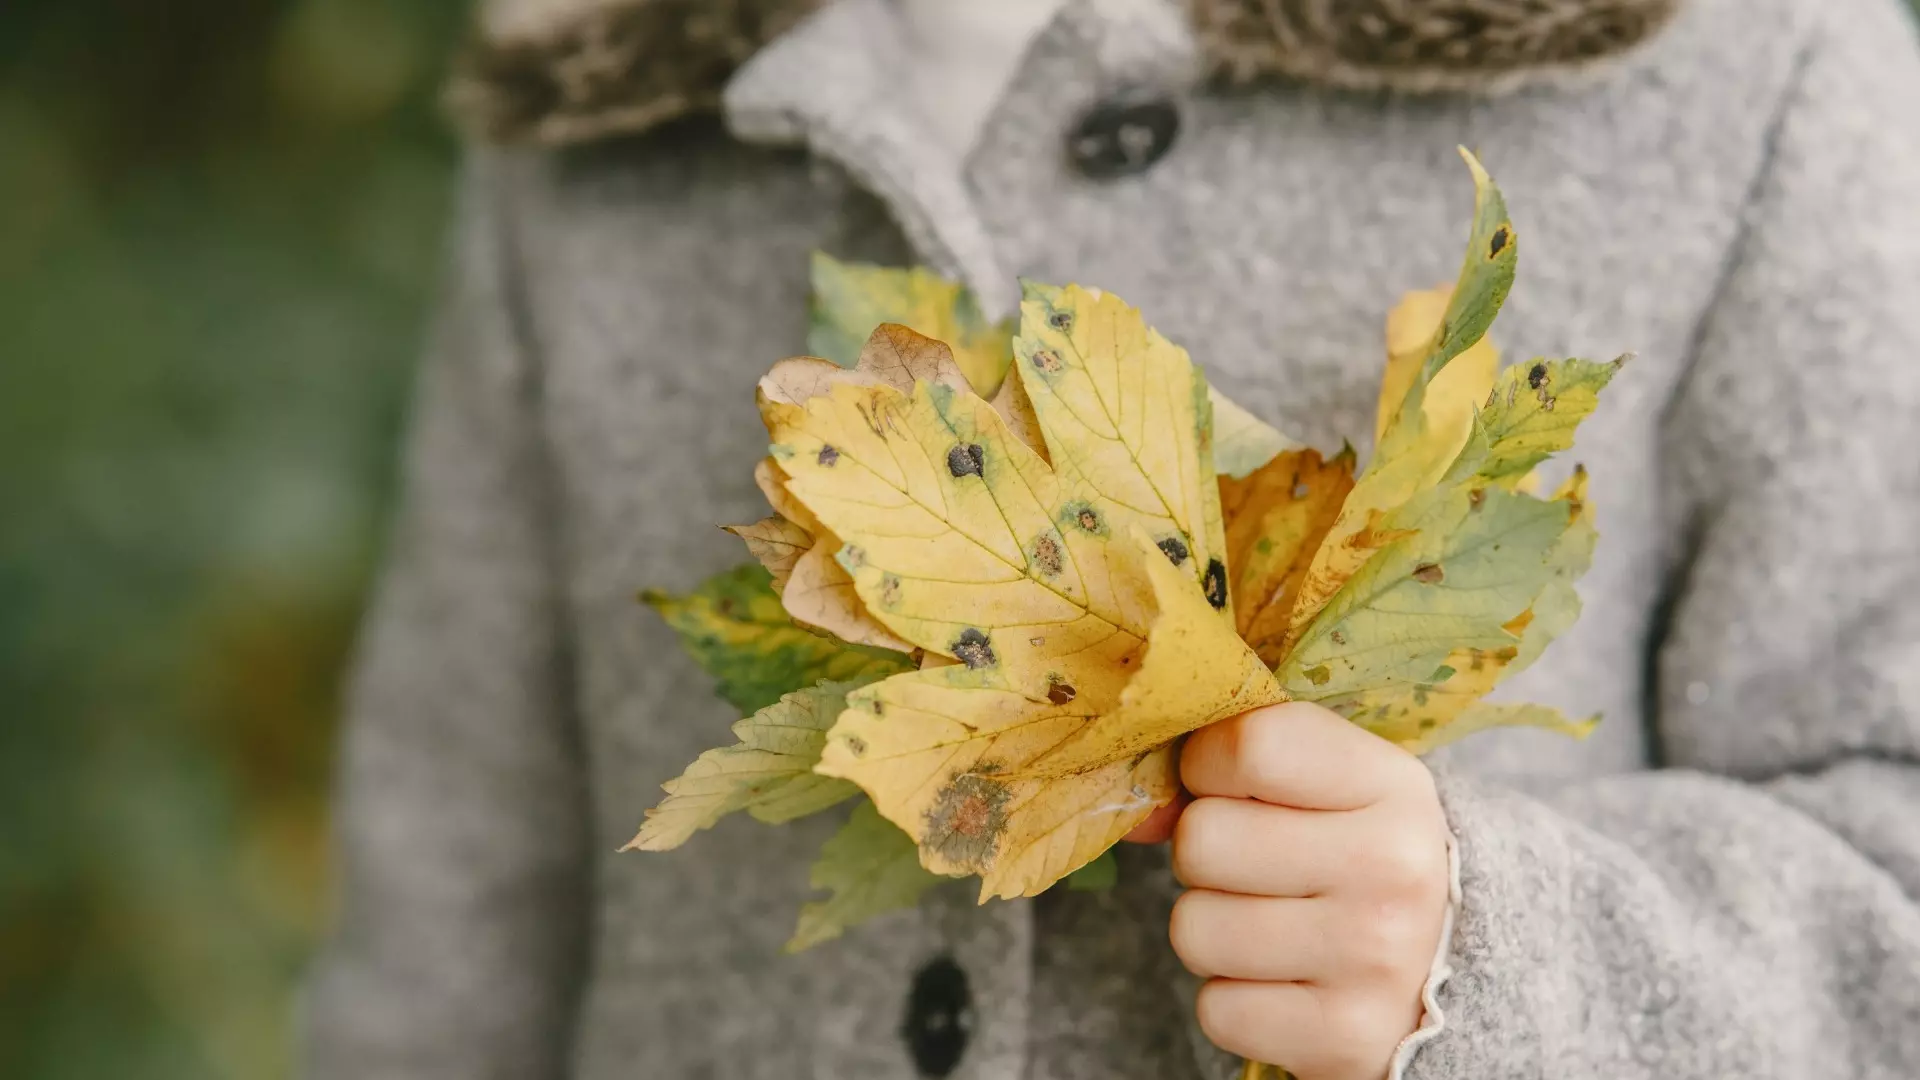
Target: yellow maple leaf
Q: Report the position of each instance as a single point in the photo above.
(1093, 589)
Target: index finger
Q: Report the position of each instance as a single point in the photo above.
(1296, 754)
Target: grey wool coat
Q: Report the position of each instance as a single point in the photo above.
(1723, 882)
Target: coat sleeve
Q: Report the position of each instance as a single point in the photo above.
(1752, 909)
(460, 821)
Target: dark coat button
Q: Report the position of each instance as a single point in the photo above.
(1123, 134)
(939, 1018)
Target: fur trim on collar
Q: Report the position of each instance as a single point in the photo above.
(1419, 46)
(566, 71)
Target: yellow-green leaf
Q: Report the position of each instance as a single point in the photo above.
(734, 627)
(851, 299)
(1484, 716)
(1423, 712)
(868, 868)
(1533, 410)
(1242, 442)
(1433, 418)
(768, 772)
(1468, 563)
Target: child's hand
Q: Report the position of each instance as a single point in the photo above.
(1315, 859)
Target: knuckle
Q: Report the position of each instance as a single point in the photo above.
(1384, 946)
(1260, 750)
(1405, 863)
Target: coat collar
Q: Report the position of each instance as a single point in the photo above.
(568, 71)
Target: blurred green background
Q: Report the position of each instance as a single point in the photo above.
(220, 229)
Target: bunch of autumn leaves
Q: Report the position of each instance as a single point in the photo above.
(1007, 570)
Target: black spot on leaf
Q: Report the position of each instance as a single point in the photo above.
(1537, 376)
(889, 590)
(1086, 517)
(1061, 321)
(1175, 549)
(1501, 237)
(856, 745)
(1339, 637)
(1214, 584)
(1429, 574)
(966, 459)
(1046, 361)
(1059, 692)
(973, 649)
(827, 457)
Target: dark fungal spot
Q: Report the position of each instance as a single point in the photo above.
(889, 590)
(973, 649)
(1060, 320)
(1546, 401)
(966, 459)
(1086, 517)
(1175, 549)
(1537, 377)
(1214, 583)
(1059, 692)
(1046, 361)
(1339, 637)
(1046, 555)
(856, 745)
(1499, 244)
(1429, 574)
(966, 819)
(853, 557)
(828, 457)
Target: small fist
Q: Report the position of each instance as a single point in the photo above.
(1315, 860)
